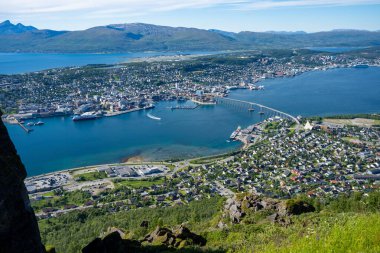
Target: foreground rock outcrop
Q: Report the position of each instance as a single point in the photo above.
(279, 211)
(178, 238)
(18, 225)
(112, 243)
(161, 237)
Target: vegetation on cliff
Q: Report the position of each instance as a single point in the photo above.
(343, 224)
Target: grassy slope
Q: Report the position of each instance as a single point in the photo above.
(349, 224)
(330, 232)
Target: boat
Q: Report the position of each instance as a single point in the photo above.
(153, 117)
(30, 124)
(39, 123)
(235, 133)
(251, 109)
(85, 116)
(256, 87)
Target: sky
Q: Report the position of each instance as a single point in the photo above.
(228, 15)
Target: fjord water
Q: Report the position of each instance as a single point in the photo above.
(16, 63)
(332, 92)
(62, 143)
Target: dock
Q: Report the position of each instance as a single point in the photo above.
(182, 107)
(23, 127)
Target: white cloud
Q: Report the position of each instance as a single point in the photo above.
(46, 6)
(81, 14)
(146, 6)
(268, 4)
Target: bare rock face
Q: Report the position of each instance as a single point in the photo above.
(18, 226)
(236, 208)
(159, 240)
(112, 243)
(177, 238)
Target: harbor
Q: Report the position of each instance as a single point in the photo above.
(190, 133)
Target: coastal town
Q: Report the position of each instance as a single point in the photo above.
(103, 90)
(318, 158)
(281, 156)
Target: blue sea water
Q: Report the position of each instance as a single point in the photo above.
(62, 143)
(332, 92)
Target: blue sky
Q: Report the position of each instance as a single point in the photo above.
(230, 15)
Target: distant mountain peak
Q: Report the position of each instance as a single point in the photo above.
(6, 22)
(7, 27)
(137, 37)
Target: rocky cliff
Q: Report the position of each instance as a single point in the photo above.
(18, 226)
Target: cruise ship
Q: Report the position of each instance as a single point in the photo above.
(235, 133)
(85, 116)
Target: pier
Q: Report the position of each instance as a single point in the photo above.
(23, 127)
(178, 107)
(250, 106)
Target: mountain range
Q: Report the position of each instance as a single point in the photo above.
(137, 37)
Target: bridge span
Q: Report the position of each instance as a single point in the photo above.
(251, 106)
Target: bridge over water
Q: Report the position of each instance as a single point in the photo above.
(262, 109)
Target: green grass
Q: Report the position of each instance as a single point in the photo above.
(91, 176)
(141, 183)
(316, 233)
(343, 224)
(352, 116)
(346, 233)
(48, 194)
(71, 232)
(350, 139)
(68, 198)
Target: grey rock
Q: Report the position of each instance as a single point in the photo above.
(19, 231)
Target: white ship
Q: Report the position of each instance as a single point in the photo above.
(153, 117)
(85, 116)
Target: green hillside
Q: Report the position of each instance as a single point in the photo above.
(137, 37)
(345, 224)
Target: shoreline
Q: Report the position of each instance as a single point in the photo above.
(140, 160)
(89, 167)
(240, 147)
(9, 121)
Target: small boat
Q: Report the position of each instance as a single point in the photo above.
(251, 109)
(39, 123)
(30, 124)
(153, 117)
